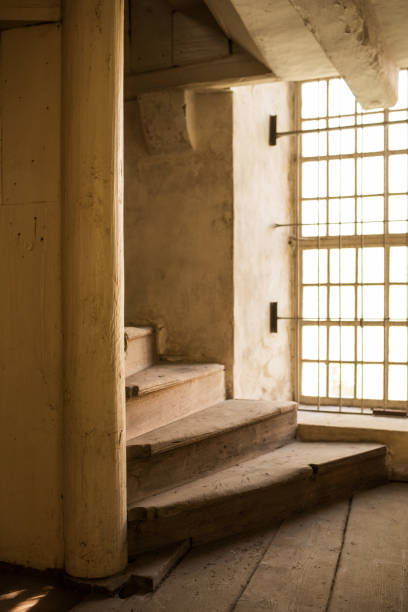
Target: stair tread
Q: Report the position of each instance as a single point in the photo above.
(212, 421)
(138, 332)
(295, 460)
(164, 375)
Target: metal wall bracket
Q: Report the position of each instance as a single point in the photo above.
(273, 317)
(272, 130)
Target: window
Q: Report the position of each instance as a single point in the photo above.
(353, 250)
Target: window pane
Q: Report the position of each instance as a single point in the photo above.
(370, 343)
(314, 179)
(370, 211)
(397, 382)
(341, 217)
(314, 379)
(398, 214)
(345, 196)
(341, 121)
(341, 380)
(314, 144)
(314, 99)
(341, 100)
(398, 307)
(398, 136)
(398, 115)
(370, 115)
(370, 175)
(314, 342)
(370, 139)
(398, 264)
(341, 343)
(342, 265)
(342, 305)
(314, 218)
(371, 265)
(314, 303)
(314, 266)
(341, 142)
(341, 177)
(397, 344)
(370, 302)
(369, 381)
(397, 173)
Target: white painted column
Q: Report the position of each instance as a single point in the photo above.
(92, 242)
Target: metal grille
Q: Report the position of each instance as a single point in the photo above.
(352, 250)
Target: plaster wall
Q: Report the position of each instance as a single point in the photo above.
(179, 233)
(30, 305)
(263, 257)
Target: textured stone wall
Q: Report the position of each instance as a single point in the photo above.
(179, 230)
(263, 257)
(203, 260)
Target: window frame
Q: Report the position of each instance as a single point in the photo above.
(386, 240)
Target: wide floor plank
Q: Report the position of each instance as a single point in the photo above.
(373, 571)
(297, 571)
(209, 579)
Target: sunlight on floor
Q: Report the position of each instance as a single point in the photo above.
(24, 603)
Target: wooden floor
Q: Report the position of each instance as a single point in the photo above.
(351, 556)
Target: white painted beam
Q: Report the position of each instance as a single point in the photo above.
(274, 33)
(232, 24)
(308, 39)
(350, 35)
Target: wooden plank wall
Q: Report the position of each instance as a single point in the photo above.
(159, 37)
(30, 305)
(30, 10)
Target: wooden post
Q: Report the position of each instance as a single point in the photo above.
(92, 242)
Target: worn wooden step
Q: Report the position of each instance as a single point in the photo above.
(143, 574)
(166, 392)
(255, 492)
(211, 438)
(139, 349)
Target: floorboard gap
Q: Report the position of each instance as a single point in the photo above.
(336, 569)
(235, 603)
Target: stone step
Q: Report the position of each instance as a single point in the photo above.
(139, 349)
(167, 392)
(204, 441)
(253, 493)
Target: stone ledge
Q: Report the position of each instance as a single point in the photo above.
(391, 431)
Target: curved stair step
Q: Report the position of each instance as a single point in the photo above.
(166, 392)
(209, 439)
(139, 349)
(252, 493)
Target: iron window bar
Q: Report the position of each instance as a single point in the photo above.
(274, 135)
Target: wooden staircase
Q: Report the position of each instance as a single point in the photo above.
(200, 467)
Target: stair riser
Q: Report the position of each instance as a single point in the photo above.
(166, 470)
(161, 407)
(241, 513)
(140, 354)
